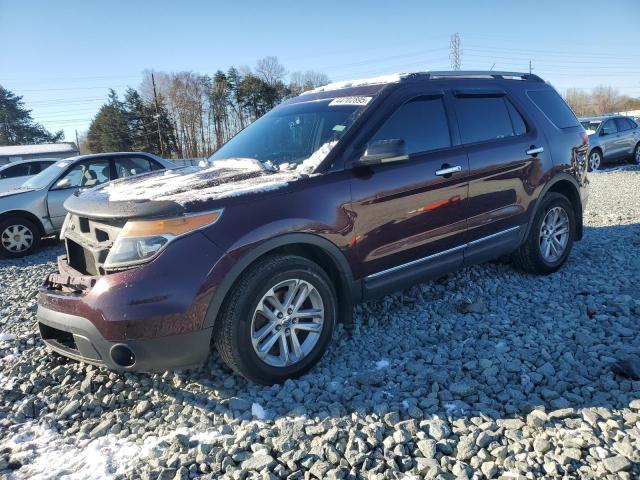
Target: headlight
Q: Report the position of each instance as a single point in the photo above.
(141, 240)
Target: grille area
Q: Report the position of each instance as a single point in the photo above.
(88, 242)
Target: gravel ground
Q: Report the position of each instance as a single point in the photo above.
(485, 373)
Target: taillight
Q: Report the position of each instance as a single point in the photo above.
(585, 138)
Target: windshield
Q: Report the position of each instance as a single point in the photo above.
(290, 134)
(45, 177)
(591, 124)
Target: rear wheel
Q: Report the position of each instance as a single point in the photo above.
(550, 238)
(595, 160)
(18, 237)
(278, 319)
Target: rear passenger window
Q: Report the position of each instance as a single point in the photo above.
(487, 118)
(421, 123)
(554, 107)
(623, 124)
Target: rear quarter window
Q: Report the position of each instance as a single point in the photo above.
(554, 107)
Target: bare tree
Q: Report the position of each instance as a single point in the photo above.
(302, 81)
(270, 70)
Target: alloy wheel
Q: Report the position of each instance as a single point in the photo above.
(287, 323)
(17, 238)
(594, 161)
(636, 155)
(554, 234)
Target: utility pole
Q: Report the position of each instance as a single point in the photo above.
(78, 143)
(529, 67)
(155, 100)
(454, 51)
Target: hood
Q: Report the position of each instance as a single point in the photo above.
(10, 193)
(171, 192)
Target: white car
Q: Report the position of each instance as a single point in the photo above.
(14, 174)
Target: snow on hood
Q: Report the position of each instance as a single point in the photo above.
(223, 179)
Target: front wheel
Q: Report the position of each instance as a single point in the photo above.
(278, 320)
(18, 237)
(636, 155)
(595, 160)
(550, 238)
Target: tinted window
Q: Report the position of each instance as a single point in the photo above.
(519, 127)
(623, 124)
(21, 170)
(421, 123)
(554, 107)
(609, 127)
(486, 118)
(88, 174)
(127, 167)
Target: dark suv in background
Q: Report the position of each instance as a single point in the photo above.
(338, 195)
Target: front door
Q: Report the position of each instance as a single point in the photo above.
(410, 217)
(609, 140)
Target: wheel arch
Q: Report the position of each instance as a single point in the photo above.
(566, 185)
(24, 214)
(313, 247)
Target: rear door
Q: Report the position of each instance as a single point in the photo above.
(410, 221)
(507, 156)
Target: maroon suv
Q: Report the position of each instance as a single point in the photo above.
(336, 196)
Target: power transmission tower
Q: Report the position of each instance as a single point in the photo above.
(155, 100)
(454, 51)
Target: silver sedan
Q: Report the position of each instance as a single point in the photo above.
(35, 209)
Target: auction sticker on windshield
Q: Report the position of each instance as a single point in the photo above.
(350, 101)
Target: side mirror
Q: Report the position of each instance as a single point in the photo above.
(603, 133)
(384, 151)
(62, 184)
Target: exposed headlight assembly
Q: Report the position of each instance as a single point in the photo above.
(141, 240)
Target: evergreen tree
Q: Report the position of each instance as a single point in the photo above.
(16, 125)
(109, 130)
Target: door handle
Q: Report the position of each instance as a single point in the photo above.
(533, 150)
(443, 172)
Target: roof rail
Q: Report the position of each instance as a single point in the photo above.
(483, 73)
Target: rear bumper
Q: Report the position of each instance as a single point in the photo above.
(76, 337)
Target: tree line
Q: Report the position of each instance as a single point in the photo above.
(187, 114)
(602, 99)
(16, 125)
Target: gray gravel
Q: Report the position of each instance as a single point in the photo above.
(487, 373)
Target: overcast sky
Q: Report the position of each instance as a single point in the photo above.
(63, 56)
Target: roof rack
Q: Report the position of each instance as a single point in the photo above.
(483, 73)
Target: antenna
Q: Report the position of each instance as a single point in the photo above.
(454, 51)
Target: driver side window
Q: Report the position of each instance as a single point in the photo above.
(421, 123)
(88, 174)
(609, 127)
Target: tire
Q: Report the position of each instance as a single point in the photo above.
(240, 319)
(594, 162)
(19, 237)
(530, 257)
(635, 160)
